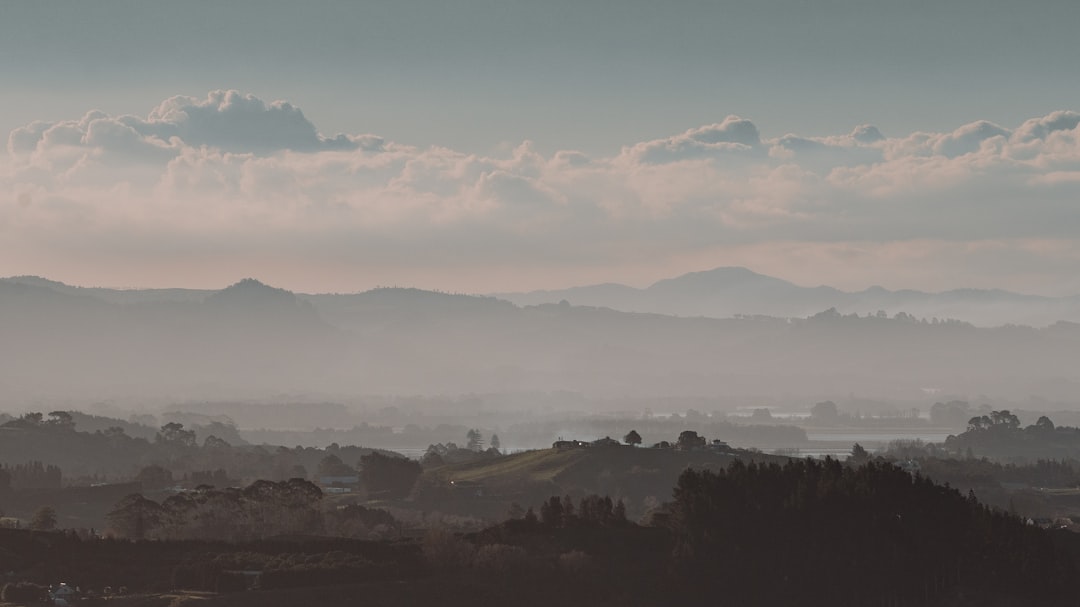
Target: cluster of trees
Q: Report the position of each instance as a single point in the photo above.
(688, 440)
(439, 454)
(1000, 435)
(33, 419)
(592, 510)
(331, 465)
(31, 475)
(771, 534)
(111, 453)
(262, 509)
(475, 441)
(715, 425)
(392, 477)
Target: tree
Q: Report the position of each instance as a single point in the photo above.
(494, 442)
(761, 415)
(619, 512)
(61, 418)
(551, 512)
(44, 519)
(632, 438)
(1044, 424)
(135, 516)
(475, 440)
(213, 442)
(33, 417)
(154, 477)
(393, 475)
(173, 433)
(979, 423)
(859, 453)
(688, 440)
(1005, 419)
(952, 413)
(515, 511)
(530, 516)
(825, 411)
(331, 465)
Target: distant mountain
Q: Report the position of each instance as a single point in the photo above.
(251, 340)
(123, 296)
(60, 340)
(730, 291)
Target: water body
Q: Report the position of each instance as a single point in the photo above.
(880, 436)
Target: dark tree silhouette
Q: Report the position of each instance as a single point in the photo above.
(44, 519)
(393, 475)
(632, 438)
(173, 433)
(475, 440)
(688, 439)
(135, 516)
(859, 453)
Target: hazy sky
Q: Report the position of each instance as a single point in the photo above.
(483, 145)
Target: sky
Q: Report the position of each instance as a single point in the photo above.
(481, 146)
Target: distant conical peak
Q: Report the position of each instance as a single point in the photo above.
(725, 274)
(250, 289)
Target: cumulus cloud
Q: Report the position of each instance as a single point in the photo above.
(866, 134)
(234, 174)
(1041, 128)
(968, 138)
(225, 120)
(732, 136)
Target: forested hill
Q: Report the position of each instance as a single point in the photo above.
(868, 535)
(252, 340)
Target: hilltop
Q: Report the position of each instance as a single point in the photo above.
(642, 477)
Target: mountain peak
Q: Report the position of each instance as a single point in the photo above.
(720, 278)
(250, 290)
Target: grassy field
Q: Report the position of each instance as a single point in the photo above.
(639, 476)
(540, 465)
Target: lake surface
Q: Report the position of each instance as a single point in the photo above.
(879, 436)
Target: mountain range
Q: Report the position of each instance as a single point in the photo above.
(75, 345)
(729, 291)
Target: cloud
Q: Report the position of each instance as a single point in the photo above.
(224, 120)
(253, 180)
(732, 136)
(1043, 127)
(234, 122)
(968, 138)
(866, 134)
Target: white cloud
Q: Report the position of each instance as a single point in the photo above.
(732, 136)
(231, 172)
